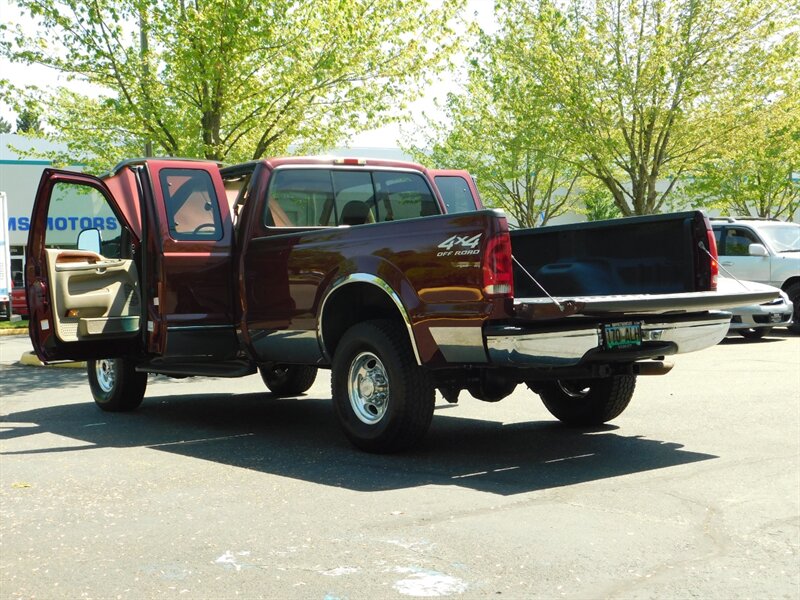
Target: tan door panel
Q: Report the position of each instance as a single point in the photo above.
(93, 297)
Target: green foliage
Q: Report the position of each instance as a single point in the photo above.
(5, 126)
(21, 325)
(28, 122)
(759, 172)
(644, 90)
(598, 203)
(506, 140)
(228, 79)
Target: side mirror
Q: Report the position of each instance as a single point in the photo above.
(758, 250)
(89, 240)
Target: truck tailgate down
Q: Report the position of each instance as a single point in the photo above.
(729, 295)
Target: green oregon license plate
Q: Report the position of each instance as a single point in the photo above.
(621, 335)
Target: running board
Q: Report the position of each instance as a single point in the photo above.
(232, 368)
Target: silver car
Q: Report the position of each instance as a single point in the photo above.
(756, 321)
(762, 250)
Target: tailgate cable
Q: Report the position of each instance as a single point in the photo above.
(702, 247)
(541, 287)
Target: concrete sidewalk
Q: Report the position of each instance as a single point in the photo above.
(17, 349)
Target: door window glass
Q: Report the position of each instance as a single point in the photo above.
(300, 198)
(718, 238)
(191, 203)
(737, 242)
(76, 207)
(455, 193)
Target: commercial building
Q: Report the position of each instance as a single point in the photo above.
(19, 178)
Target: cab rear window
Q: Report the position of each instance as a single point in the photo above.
(331, 197)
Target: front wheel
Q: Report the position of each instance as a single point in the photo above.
(116, 385)
(382, 398)
(588, 401)
(288, 380)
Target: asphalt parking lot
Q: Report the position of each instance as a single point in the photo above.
(214, 489)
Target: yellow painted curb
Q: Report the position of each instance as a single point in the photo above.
(30, 359)
(14, 331)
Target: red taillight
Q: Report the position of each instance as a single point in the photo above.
(498, 270)
(712, 249)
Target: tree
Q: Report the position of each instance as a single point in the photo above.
(5, 126)
(597, 202)
(28, 122)
(505, 141)
(759, 174)
(229, 79)
(645, 89)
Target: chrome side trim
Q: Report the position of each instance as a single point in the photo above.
(460, 344)
(568, 348)
(380, 283)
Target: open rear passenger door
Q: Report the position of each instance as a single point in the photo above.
(84, 297)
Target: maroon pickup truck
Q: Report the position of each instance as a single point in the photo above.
(381, 271)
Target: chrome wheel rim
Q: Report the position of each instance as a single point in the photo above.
(105, 373)
(368, 388)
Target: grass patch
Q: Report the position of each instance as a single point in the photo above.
(23, 324)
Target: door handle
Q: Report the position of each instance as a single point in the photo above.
(727, 264)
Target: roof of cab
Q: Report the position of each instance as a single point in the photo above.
(275, 162)
(339, 161)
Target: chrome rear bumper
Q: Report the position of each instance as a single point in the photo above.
(565, 348)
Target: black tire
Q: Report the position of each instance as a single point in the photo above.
(288, 380)
(116, 385)
(383, 400)
(588, 401)
(754, 333)
(793, 291)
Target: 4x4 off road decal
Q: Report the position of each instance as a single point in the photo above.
(458, 245)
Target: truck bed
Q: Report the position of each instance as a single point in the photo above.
(640, 255)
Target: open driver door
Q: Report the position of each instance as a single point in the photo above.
(82, 272)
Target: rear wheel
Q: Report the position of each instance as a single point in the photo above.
(288, 380)
(116, 385)
(588, 401)
(754, 333)
(382, 398)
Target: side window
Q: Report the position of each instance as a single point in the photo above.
(300, 198)
(718, 238)
(403, 196)
(191, 203)
(737, 242)
(455, 193)
(76, 207)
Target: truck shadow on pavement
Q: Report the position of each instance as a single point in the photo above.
(300, 439)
